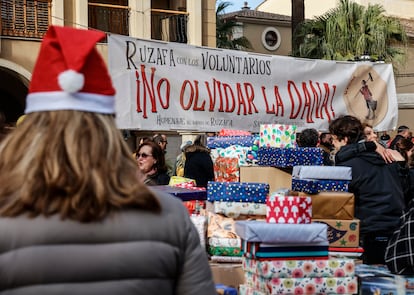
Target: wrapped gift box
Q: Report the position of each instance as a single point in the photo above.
(214, 142)
(334, 267)
(288, 209)
(247, 290)
(224, 242)
(237, 192)
(224, 251)
(226, 259)
(277, 135)
(200, 222)
(259, 231)
(194, 206)
(306, 156)
(233, 132)
(333, 205)
(235, 209)
(185, 194)
(314, 186)
(290, 157)
(341, 233)
(225, 290)
(322, 172)
(331, 285)
(233, 151)
(226, 169)
(255, 250)
(221, 227)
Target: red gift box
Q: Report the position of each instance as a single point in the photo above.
(288, 209)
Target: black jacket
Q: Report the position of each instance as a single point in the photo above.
(198, 165)
(377, 188)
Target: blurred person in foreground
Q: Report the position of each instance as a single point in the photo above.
(75, 218)
(379, 197)
(151, 162)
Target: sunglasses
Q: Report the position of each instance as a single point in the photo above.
(143, 155)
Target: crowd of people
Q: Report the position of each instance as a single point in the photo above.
(77, 211)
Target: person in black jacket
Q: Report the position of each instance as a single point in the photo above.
(198, 163)
(379, 197)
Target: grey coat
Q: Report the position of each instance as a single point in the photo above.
(131, 252)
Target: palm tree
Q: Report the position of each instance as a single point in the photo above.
(224, 30)
(351, 30)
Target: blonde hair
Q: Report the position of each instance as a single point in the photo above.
(71, 163)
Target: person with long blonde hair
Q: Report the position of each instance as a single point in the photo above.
(75, 215)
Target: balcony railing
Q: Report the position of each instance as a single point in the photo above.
(25, 18)
(169, 25)
(109, 18)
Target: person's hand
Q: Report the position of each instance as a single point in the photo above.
(386, 154)
(396, 155)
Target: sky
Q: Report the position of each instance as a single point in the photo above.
(238, 4)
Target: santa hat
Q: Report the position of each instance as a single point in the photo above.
(70, 74)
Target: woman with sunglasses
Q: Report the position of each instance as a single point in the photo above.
(151, 161)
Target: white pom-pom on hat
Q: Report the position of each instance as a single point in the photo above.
(71, 81)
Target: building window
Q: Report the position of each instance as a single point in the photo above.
(271, 38)
(25, 18)
(109, 16)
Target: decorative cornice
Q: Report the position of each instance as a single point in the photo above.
(405, 100)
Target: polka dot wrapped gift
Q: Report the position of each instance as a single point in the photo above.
(277, 135)
(237, 192)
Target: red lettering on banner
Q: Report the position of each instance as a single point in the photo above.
(248, 103)
(149, 90)
(248, 87)
(137, 97)
(308, 104)
(332, 97)
(230, 101)
(212, 96)
(241, 101)
(298, 96)
(278, 102)
(311, 106)
(196, 107)
(316, 99)
(190, 100)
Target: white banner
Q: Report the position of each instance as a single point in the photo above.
(173, 86)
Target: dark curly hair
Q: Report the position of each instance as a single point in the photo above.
(347, 127)
(308, 138)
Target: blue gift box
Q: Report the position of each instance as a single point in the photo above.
(289, 157)
(214, 142)
(184, 194)
(237, 192)
(225, 290)
(314, 186)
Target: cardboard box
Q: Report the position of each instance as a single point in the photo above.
(275, 177)
(229, 274)
(342, 233)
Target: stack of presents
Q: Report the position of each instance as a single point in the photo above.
(275, 220)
